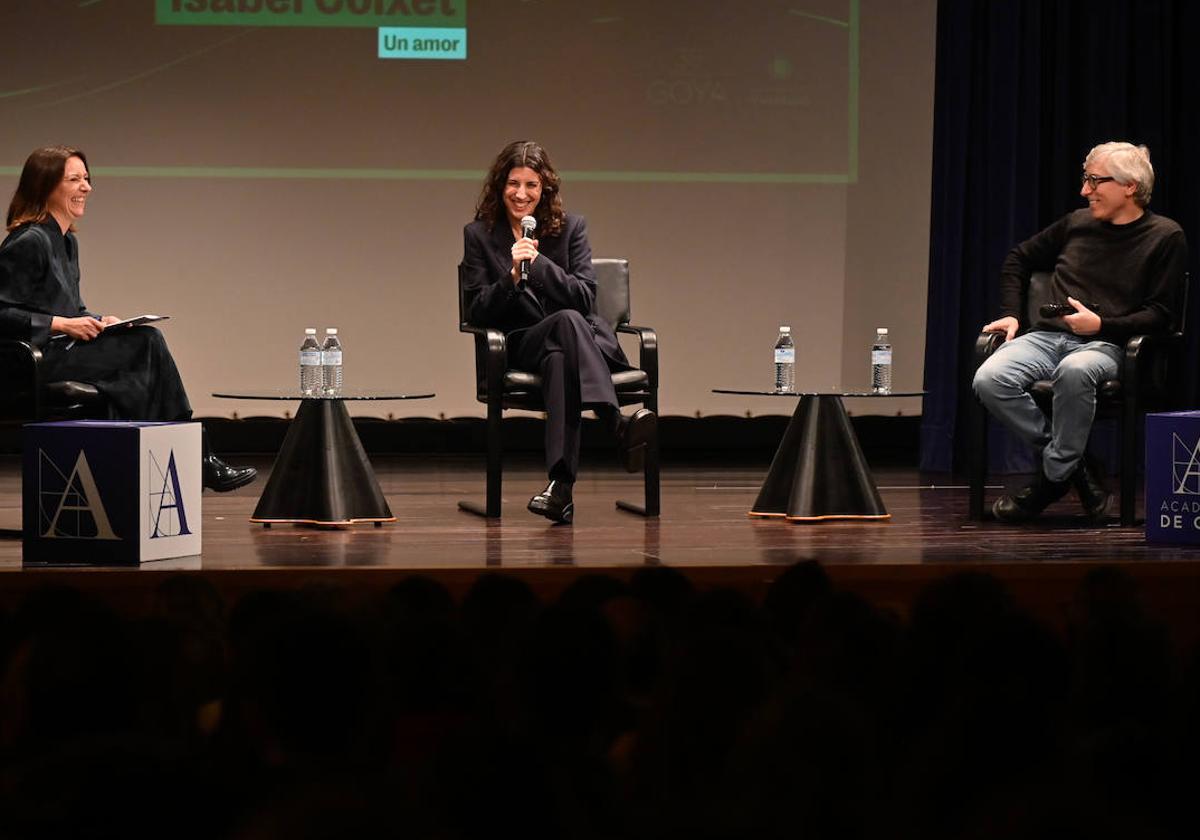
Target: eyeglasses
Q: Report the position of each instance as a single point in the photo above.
(1094, 181)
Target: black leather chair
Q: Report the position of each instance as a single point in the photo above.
(500, 387)
(1149, 382)
(26, 396)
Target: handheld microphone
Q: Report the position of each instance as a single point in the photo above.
(528, 226)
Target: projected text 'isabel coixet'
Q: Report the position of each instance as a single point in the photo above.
(421, 29)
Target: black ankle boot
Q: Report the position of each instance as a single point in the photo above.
(1089, 486)
(633, 434)
(554, 502)
(1030, 500)
(216, 475)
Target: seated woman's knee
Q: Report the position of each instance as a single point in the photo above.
(152, 339)
(143, 341)
(152, 336)
(569, 316)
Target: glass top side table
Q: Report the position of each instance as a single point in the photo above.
(322, 475)
(819, 472)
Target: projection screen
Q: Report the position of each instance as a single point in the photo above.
(262, 166)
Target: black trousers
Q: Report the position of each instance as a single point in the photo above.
(576, 375)
(131, 367)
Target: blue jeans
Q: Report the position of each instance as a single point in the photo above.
(1075, 364)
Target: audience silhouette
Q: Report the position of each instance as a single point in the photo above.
(638, 707)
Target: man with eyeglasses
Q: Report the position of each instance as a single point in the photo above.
(1120, 267)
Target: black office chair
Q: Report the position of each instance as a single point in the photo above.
(26, 396)
(500, 387)
(1149, 382)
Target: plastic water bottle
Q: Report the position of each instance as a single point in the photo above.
(785, 361)
(881, 363)
(331, 362)
(310, 364)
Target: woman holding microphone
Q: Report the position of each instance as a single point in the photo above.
(540, 289)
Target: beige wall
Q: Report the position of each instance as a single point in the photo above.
(243, 265)
(887, 218)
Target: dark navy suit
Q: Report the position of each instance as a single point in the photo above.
(550, 324)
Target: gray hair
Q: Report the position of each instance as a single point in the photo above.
(1129, 164)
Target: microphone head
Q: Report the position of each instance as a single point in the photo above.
(528, 225)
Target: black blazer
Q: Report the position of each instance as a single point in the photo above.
(39, 278)
(560, 278)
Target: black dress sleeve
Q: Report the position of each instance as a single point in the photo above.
(24, 266)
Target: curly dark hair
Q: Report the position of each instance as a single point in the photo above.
(42, 173)
(549, 212)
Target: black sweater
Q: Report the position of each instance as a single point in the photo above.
(1132, 272)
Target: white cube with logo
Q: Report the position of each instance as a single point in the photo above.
(103, 493)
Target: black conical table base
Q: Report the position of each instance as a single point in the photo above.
(321, 475)
(819, 471)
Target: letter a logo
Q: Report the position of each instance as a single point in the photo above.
(169, 498)
(1185, 466)
(74, 499)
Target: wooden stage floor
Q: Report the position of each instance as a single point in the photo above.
(703, 530)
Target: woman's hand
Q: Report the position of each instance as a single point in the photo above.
(523, 249)
(109, 320)
(84, 328)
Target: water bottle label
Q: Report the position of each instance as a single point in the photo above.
(331, 357)
(785, 355)
(310, 357)
(881, 357)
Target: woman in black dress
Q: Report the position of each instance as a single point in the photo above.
(40, 303)
(549, 316)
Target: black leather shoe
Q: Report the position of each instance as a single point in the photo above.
(633, 433)
(1030, 500)
(1093, 495)
(215, 474)
(554, 502)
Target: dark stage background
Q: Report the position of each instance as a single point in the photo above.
(1024, 89)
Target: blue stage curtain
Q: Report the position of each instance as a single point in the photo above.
(1024, 88)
